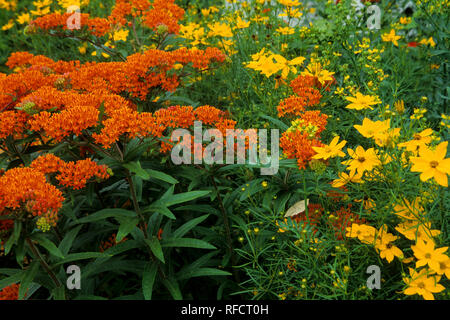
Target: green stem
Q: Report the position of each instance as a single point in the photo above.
(44, 264)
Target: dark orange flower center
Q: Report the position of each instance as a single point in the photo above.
(421, 285)
(427, 255)
(434, 164)
(361, 159)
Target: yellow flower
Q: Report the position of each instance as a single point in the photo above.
(391, 37)
(444, 268)
(426, 254)
(383, 244)
(314, 69)
(82, 49)
(8, 5)
(412, 230)
(399, 106)
(264, 184)
(420, 283)
(364, 233)
(370, 129)
(289, 3)
(419, 140)
(241, 24)
(408, 210)
(363, 160)
(285, 30)
(120, 35)
(432, 164)
(361, 101)
(23, 18)
(405, 20)
(40, 11)
(9, 25)
(345, 178)
(287, 66)
(220, 29)
(428, 41)
(330, 151)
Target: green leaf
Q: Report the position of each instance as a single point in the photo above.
(107, 213)
(281, 125)
(47, 244)
(82, 256)
(14, 236)
(187, 243)
(203, 272)
(155, 246)
(184, 197)
(159, 208)
(161, 176)
(172, 285)
(185, 228)
(27, 278)
(67, 241)
(11, 279)
(135, 167)
(148, 279)
(126, 226)
(59, 293)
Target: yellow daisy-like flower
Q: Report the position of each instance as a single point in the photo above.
(433, 164)
(420, 283)
(330, 151)
(121, 35)
(345, 178)
(419, 140)
(391, 37)
(426, 254)
(286, 30)
(361, 101)
(363, 160)
(23, 18)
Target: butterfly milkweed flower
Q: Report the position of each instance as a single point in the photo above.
(433, 164)
(330, 151)
(28, 187)
(10, 292)
(360, 101)
(391, 37)
(420, 283)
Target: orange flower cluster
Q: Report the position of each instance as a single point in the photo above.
(97, 26)
(315, 212)
(36, 91)
(135, 76)
(164, 12)
(298, 140)
(69, 121)
(298, 145)
(342, 219)
(70, 174)
(160, 12)
(184, 117)
(10, 292)
(307, 96)
(27, 189)
(12, 123)
(6, 225)
(110, 242)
